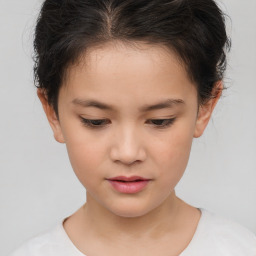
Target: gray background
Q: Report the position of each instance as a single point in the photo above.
(37, 185)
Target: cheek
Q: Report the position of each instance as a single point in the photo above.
(177, 145)
(86, 156)
(173, 152)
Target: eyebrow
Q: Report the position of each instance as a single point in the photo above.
(169, 103)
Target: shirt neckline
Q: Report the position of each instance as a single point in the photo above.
(196, 234)
(77, 252)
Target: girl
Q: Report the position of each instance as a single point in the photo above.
(127, 85)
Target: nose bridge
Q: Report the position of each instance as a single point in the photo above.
(128, 144)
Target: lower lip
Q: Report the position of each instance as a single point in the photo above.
(129, 187)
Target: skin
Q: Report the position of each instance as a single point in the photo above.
(128, 143)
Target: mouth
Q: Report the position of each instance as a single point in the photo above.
(128, 185)
(128, 179)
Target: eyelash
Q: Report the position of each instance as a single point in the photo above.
(89, 122)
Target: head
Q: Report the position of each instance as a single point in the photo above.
(149, 73)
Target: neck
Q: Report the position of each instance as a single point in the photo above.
(154, 224)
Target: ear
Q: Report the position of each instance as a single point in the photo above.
(205, 111)
(51, 116)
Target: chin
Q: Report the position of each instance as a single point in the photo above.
(129, 213)
(130, 210)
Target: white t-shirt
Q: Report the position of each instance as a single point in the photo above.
(214, 236)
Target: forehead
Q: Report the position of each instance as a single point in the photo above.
(135, 58)
(118, 68)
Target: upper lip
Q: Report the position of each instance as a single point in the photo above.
(124, 178)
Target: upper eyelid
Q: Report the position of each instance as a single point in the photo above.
(162, 119)
(105, 119)
(152, 119)
(86, 119)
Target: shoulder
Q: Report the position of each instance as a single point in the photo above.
(227, 228)
(222, 236)
(51, 243)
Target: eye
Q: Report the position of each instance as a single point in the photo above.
(100, 123)
(94, 123)
(162, 123)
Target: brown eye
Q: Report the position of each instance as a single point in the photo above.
(94, 123)
(162, 123)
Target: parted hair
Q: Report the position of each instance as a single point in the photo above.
(194, 29)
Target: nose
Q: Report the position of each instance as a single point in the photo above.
(127, 147)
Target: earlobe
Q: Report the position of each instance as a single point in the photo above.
(205, 110)
(51, 116)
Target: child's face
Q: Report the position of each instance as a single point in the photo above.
(127, 142)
